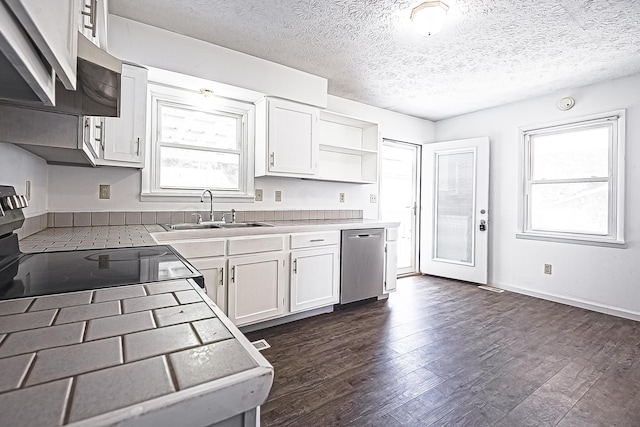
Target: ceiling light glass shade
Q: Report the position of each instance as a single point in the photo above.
(428, 18)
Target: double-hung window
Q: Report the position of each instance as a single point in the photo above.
(198, 143)
(573, 181)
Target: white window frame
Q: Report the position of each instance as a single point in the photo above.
(615, 179)
(159, 94)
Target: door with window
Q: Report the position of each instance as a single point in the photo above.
(455, 199)
(399, 198)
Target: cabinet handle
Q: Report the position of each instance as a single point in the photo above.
(316, 240)
(222, 276)
(273, 159)
(92, 6)
(233, 274)
(101, 138)
(138, 147)
(295, 266)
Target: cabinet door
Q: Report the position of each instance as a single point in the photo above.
(125, 135)
(53, 27)
(315, 278)
(293, 138)
(390, 266)
(213, 271)
(256, 288)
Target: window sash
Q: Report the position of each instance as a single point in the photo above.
(612, 123)
(158, 100)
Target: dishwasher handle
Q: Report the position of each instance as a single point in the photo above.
(363, 236)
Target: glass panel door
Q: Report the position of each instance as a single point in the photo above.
(399, 197)
(454, 219)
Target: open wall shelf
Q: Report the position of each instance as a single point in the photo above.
(348, 150)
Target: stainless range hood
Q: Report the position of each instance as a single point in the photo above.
(97, 90)
(99, 78)
(57, 133)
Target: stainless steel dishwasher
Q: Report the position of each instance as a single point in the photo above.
(362, 264)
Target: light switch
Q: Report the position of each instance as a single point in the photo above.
(278, 196)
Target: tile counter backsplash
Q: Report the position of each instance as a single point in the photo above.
(86, 219)
(97, 219)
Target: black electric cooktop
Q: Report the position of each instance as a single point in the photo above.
(58, 272)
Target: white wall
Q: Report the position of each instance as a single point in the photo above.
(76, 189)
(143, 44)
(18, 166)
(605, 279)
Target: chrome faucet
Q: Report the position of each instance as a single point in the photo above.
(230, 217)
(211, 206)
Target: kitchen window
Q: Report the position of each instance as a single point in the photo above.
(198, 142)
(573, 181)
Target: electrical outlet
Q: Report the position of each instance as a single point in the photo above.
(547, 269)
(278, 196)
(105, 191)
(373, 198)
(258, 195)
(341, 197)
(27, 190)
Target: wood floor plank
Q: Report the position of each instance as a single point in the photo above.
(442, 352)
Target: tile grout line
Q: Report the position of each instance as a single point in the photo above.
(28, 371)
(69, 401)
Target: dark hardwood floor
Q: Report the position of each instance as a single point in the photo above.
(441, 352)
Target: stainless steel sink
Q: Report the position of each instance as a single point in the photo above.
(189, 226)
(243, 225)
(208, 225)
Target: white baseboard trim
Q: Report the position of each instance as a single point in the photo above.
(588, 305)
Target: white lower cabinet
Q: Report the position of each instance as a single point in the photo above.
(256, 287)
(391, 266)
(207, 256)
(315, 278)
(391, 259)
(212, 270)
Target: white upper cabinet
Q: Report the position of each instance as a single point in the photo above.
(53, 26)
(124, 136)
(286, 138)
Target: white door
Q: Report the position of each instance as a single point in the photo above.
(212, 270)
(293, 137)
(125, 135)
(315, 278)
(256, 287)
(390, 265)
(53, 27)
(399, 198)
(455, 203)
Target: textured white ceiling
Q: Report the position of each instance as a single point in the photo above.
(489, 53)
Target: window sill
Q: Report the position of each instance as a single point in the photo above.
(193, 197)
(621, 244)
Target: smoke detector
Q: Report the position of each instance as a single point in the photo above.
(566, 103)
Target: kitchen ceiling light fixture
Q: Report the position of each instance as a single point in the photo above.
(206, 92)
(428, 17)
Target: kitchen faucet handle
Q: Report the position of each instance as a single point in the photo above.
(198, 217)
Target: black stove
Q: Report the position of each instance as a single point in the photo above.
(24, 275)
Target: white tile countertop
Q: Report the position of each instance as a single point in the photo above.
(119, 236)
(76, 238)
(154, 354)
